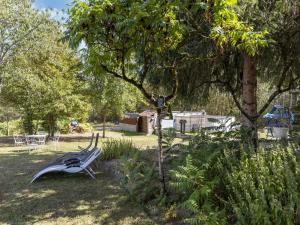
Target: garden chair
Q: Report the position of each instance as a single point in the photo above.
(19, 141)
(83, 151)
(73, 164)
(31, 143)
(41, 140)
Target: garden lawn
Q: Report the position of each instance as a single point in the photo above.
(60, 198)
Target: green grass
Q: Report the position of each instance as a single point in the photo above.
(60, 198)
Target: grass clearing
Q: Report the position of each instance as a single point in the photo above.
(60, 198)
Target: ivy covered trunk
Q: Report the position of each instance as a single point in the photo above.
(249, 102)
(160, 154)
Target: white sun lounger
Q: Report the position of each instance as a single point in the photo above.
(73, 164)
(82, 152)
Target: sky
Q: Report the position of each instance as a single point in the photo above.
(58, 8)
(55, 4)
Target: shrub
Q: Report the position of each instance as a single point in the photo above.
(169, 135)
(138, 178)
(114, 148)
(198, 183)
(220, 183)
(63, 127)
(264, 187)
(13, 127)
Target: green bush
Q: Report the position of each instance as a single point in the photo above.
(12, 127)
(169, 135)
(264, 187)
(217, 182)
(197, 182)
(63, 126)
(115, 148)
(139, 179)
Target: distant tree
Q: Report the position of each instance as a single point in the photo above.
(41, 83)
(111, 98)
(7, 114)
(18, 25)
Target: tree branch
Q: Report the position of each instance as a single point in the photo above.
(175, 83)
(131, 81)
(279, 89)
(5, 52)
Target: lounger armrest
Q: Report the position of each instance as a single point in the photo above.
(72, 161)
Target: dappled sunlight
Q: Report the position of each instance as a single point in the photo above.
(59, 198)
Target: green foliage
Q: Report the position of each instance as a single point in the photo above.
(11, 127)
(110, 97)
(228, 29)
(42, 83)
(169, 135)
(198, 181)
(128, 40)
(114, 149)
(138, 178)
(264, 187)
(220, 183)
(19, 25)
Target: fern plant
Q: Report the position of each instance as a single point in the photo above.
(198, 188)
(139, 179)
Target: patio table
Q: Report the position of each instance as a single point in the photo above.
(35, 140)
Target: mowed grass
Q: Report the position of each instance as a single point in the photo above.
(62, 198)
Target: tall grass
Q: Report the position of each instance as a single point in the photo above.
(115, 148)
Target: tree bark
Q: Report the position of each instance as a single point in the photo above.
(28, 123)
(249, 102)
(103, 126)
(160, 160)
(51, 125)
(7, 126)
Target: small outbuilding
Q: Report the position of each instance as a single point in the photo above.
(139, 122)
(146, 122)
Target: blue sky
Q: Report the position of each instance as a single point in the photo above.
(55, 4)
(58, 8)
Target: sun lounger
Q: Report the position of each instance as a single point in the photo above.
(72, 164)
(82, 152)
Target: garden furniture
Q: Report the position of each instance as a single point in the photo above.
(19, 141)
(73, 164)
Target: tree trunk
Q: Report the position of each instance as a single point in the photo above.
(28, 123)
(51, 125)
(160, 154)
(249, 102)
(7, 126)
(103, 126)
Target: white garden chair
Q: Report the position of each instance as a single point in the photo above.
(19, 140)
(31, 143)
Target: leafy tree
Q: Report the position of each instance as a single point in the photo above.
(18, 25)
(235, 45)
(111, 98)
(126, 40)
(41, 83)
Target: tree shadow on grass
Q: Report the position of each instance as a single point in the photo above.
(60, 198)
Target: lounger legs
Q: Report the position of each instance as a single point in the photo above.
(89, 173)
(91, 170)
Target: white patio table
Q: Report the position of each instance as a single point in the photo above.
(34, 141)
